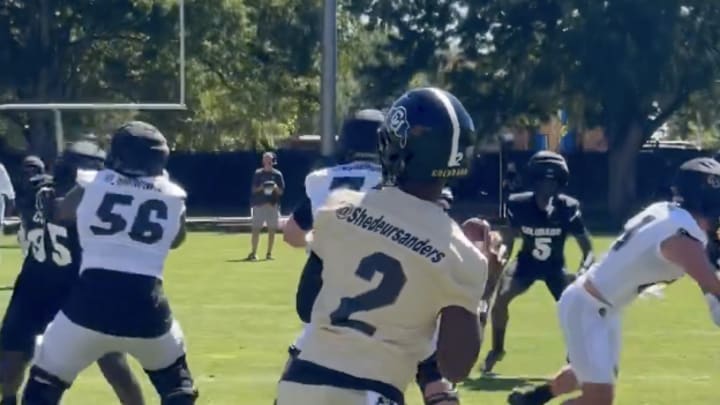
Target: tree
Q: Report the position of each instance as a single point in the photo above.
(626, 65)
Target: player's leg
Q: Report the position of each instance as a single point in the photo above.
(22, 323)
(273, 221)
(564, 382)
(117, 372)
(557, 281)
(291, 393)
(66, 350)
(256, 227)
(513, 284)
(164, 361)
(592, 337)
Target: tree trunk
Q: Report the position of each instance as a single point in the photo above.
(622, 184)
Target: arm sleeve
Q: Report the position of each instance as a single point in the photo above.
(6, 186)
(576, 225)
(512, 214)
(303, 214)
(309, 287)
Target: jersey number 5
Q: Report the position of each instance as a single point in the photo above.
(385, 294)
(542, 249)
(142, 230)
(61, 255)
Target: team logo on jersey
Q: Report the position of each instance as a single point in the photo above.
(713, 181)
(398, 123)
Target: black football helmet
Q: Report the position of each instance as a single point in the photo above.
(138, 149)
(696, 187)
(427, 136)
(548, 165)
(32, 166)
(83, 154)
(359, 136)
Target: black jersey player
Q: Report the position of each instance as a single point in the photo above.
(49, 271)
(543, 218)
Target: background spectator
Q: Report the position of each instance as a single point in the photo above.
(267, 188)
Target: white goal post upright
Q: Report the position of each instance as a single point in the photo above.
(57, 107)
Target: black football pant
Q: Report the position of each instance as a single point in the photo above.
(515, 281)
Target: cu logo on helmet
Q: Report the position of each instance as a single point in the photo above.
(398, 124)
(713, 181)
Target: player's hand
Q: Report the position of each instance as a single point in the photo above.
(45, 201)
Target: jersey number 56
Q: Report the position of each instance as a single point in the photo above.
(142, 228)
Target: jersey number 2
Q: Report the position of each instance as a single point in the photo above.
(353, 183)
(386, 293)
(142, 230)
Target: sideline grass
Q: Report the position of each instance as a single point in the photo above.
(238, 318)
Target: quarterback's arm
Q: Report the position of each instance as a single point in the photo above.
(458, 342)
(298, 225)
(689, 254)
(309, 287)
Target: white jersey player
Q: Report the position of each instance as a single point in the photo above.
(360, 172)
(377, 276)
(128, 217)
(358, 145)
(658, 246)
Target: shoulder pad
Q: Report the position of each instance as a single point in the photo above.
(85, 177)
(518, 197)
(568, 201)
(171, 188)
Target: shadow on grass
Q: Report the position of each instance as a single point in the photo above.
(499, 383)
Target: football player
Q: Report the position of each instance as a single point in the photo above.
(128, 215)
(358, 170)
(369, 328)
(544, 218)
(33, 174)
(48, 273)
(658, 246)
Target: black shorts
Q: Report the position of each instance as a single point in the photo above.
(32, 307)
(520, 275)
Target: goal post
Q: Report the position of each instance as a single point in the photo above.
(58, 107)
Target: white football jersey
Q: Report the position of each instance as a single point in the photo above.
(358, 176)
(634, 262)
(128, 224)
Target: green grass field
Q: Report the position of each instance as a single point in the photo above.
(239, 318)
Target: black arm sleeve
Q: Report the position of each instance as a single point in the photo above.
(303, 215)
(309, 287)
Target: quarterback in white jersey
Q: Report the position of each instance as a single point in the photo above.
(658, 246)
(128, 217)
(371, 326)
